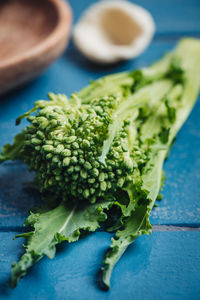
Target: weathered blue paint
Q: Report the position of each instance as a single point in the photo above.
(163, 266)
(180, 203)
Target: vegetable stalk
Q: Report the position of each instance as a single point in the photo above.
(101, 152)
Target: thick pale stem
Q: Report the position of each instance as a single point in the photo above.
(129, 108)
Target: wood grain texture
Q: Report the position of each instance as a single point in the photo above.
(32, 34)
(164, 265)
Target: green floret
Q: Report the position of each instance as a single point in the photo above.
(91, 144)
(76, 141)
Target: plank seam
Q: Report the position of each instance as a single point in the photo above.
(163, 227)
(175, 35)
(174, 228)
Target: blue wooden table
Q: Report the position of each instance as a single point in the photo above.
(165, 265)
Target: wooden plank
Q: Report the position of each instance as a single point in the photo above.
(16, 196)
(164, 266)
(180, 204)
(171, 17)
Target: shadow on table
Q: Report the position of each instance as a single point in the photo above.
(133, 256)
(17, 194)
(5, 290)
(76, 58)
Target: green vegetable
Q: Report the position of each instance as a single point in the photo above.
(98, 156)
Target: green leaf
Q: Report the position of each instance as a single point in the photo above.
(164, 135)
(171, 112)
(25, 115)
(11, 152)
(135, 225)
(138, 223)
(53, 227)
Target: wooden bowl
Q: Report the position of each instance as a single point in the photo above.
(33, 33)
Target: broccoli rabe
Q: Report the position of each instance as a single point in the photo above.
(101, 152)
